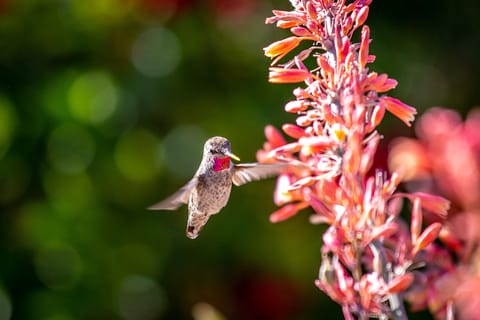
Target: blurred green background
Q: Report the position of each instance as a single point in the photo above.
(104, 109)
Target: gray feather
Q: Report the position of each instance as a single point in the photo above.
(177, 199)
(247, 172)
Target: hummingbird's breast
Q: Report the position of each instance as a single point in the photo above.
(212, 192)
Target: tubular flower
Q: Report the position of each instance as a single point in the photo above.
(367, 250)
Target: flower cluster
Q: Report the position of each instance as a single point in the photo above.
(451, 278)
(368, 252)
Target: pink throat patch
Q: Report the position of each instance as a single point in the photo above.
(220, 164)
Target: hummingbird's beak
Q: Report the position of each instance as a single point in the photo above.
(231, 155)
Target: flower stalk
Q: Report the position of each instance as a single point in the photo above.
(367, 249)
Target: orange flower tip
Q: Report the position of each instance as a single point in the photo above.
(377, 116)
(274, 136)
(361, 16)
(293, 131)
(323, 63)
(281, 75)
(284, 24)
(391, 83)
(427, 237)
(311, 11)
(303, 121)
(296, 106)
(301, 32)
(435, 204)
(364, 43)
(301, 93)
(401, 283)
(281, 47)
(286, 212)
(399, 109)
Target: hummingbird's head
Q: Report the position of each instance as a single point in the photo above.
(218, 147)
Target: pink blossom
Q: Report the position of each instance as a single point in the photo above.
(367, 249)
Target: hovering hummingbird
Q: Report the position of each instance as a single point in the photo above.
(209, 189)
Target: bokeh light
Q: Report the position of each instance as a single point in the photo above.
(5, 306)
(15, 173)
(183, 147)
(137, 155)
(69, 193)
(58, 266)
(7, 124)
(70, 148)
(140, 298)
(93, 97)
(156, 52)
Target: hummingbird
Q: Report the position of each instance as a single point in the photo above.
(209, 189)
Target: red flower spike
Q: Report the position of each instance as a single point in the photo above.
(338, 110)
(427, 237)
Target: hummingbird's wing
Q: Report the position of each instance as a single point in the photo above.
(247, 172)
(177, 199)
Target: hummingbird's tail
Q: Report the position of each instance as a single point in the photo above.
(195, 223)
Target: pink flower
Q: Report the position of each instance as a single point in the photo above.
(367, 249)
